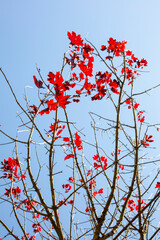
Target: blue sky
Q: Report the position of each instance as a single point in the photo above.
(35, 32)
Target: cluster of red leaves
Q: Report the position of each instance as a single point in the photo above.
(114, 47)
(112, 153)
(58, 128)
(35, 215)
(129, 103)
(146, 140)
(92, 184)
(75, 39)
(36, 227)
(102, 81)
(143, 205)
(60, 98)
(62, 202)
(118, 49)
(14, 191)
(130, 74)
(66, 139)
(140, 116)
(135, 62)
(28, 205)
(77, 141)
(100, 162)
(28, 238)
(132, 206)
(96, 192)
(10, 169)
(85, 50)
(81, 55)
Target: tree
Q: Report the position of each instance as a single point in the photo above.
(64, 187)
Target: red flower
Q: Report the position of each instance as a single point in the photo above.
(108, 57)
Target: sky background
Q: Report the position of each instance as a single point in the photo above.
(34, 32)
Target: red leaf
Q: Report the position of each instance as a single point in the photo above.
(69, 156)
(38, 83)
(46, 110)
(100, 190)
(94, 194)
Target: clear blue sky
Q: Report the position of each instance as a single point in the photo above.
(35, 32)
